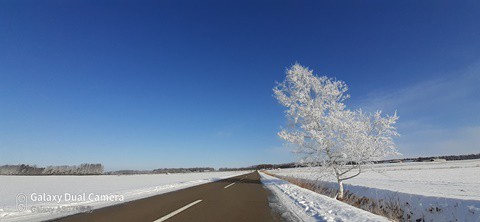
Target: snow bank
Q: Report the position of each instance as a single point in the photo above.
(305, 205)
(445, 191)
(31, 198)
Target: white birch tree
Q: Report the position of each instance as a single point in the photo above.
(325, 132)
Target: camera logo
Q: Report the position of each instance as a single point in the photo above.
(21, 202)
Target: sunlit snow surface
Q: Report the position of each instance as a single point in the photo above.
(299, 204)
(131, 187)
(453, 179)
(452, 186)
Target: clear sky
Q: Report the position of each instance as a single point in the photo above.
(149, 84)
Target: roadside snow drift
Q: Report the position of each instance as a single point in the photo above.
(35, 198)
(305, 205)
(428, 191)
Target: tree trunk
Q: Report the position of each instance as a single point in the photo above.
(340, 190)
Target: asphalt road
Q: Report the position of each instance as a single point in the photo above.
(240, 198)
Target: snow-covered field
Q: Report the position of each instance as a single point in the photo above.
(434, 191)
(27, 198)
(299, 204)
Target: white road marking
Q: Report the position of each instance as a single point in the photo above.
(164, 218)
(228, 185)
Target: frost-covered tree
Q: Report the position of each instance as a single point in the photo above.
(325, 132)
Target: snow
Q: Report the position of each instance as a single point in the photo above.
(305, 205)
(435, 191)
(90, 192)
(453, 179)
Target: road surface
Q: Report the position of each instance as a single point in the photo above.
(240, 198)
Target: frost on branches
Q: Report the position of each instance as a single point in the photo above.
(325, 132)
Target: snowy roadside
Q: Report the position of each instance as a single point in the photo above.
(305, 205)
(86, 193)
(451, 179)
(445, 191)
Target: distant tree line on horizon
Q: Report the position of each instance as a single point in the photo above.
(184, 170)
(24, 169)
(424, 159)
(294, 165)
(98, 169)
(263, 166)
(162, 171)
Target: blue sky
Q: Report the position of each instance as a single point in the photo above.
(149, 84)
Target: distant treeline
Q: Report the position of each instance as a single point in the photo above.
(183, 170)
(161, 171)
(425, 159)
(293, 165)
(97, 169)
(23, 169)
(264, 166)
